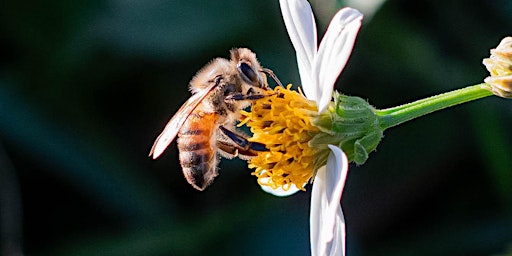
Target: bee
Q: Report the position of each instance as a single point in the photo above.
(205, 123)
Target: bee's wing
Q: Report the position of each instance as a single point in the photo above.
(173, 126)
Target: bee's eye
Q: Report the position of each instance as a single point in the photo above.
(248, 73)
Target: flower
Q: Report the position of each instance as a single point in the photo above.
(283, 122)
(290, 124)
(500, 67)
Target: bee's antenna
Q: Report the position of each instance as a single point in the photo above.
(271, 74)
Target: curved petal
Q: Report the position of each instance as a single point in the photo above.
(327, 222)
(279, 191)
(300, 24)
(334, 51)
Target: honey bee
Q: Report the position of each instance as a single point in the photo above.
(205, 123)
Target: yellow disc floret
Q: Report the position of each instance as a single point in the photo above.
(282, 122)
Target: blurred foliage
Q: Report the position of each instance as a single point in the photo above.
(86, 86)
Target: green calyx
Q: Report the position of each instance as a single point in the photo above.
(351, 124)
(356, 127)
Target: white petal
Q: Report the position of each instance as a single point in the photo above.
(339, 235)
(326, 217)
(334, 51)
(309, 84)
(300, 24)
(279, 191)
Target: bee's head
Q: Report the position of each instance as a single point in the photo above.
(248, 67)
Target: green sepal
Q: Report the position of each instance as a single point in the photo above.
(351, 123)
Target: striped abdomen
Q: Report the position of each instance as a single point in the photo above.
(196, 144)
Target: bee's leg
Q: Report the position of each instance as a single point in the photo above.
(238, 145)
(272, 75)
(226, 149)
(230, 150)
(241, 141)
(248, 96)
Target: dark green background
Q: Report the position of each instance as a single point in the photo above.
(86, 86)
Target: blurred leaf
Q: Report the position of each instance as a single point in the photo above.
(224, 232)
(496, 147)
(175, 29)
(476, 237)
(104, 177)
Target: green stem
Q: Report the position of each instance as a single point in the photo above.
(394, 116)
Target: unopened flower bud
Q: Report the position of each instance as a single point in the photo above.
(499, 66)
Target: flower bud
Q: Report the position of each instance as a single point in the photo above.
(499, 66)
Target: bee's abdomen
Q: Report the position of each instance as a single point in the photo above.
(197, 154)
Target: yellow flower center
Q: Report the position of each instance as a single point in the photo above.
(282, 122)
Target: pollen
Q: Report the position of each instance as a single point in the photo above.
(282, 122)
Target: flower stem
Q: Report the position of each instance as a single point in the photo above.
(394, 116)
